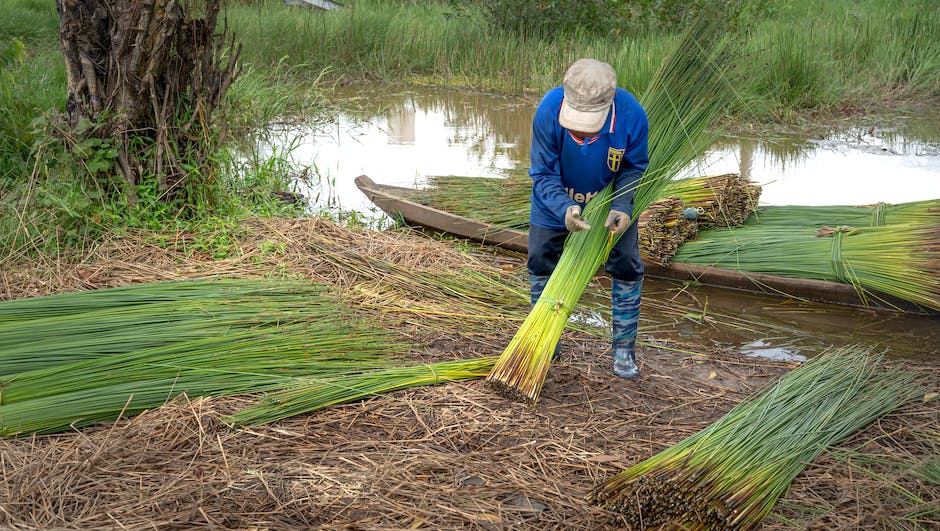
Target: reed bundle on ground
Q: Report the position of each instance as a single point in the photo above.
(47, 331)
(721, 200)
(730, 475)
(684, 98)
(301, 330)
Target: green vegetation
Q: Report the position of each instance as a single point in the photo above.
(893, 250)
(799, 57)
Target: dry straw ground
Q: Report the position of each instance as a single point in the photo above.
(454, 456)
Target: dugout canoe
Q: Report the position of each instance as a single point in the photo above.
(398, 203)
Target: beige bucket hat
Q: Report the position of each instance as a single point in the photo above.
(590, 86)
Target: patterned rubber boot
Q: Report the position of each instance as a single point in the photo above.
(625, 306)
(537, 284)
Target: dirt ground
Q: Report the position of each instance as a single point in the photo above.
(446, 457)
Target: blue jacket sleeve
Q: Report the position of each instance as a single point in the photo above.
(545, 164)
(635, 161)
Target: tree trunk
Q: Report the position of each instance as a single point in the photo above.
(148, 76)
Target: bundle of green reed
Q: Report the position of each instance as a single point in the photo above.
(501, 202)
(729, 475)
(912, 213)
(53, 330)
(685, 97)
(902, 261)
(305, 395)
(520, 371)
(722, 200)
(319, 336)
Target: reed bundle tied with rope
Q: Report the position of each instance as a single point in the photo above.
(730, 475)
(690, 90)
(901, 260)
(722, 200)
(925, 212)
(520, 371)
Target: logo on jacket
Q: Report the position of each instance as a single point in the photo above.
(614, 157)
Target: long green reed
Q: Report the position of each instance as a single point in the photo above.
(290, 330)
(46, 331)
(901, 260)
(305, 395)
(876, 215)
(730, 475)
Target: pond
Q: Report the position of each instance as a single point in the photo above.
(403, 136)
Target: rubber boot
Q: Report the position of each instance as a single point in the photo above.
(625, 306)
(537, 284)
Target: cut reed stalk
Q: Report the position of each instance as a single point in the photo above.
(722, 200)
(57, 329)
(305, 395)
(902, 261)
(520, 371)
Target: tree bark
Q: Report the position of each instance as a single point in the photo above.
(148, 75)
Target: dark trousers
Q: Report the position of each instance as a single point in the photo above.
(546, 245)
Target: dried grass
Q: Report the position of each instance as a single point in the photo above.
(454, 456)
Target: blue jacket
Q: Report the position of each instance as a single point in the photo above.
(565, 172)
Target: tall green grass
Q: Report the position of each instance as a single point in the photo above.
(387, 41)
(817, 54)
(806, 54)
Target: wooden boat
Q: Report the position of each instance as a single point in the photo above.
(397, 202)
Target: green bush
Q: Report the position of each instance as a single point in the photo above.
(15, 115)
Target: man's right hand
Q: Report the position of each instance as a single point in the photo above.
(573, 221)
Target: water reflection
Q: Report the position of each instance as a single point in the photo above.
(855, 166)
(403, 137)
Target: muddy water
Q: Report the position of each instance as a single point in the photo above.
(403, 136)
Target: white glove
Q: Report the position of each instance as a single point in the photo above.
(617, 221)
(573, 221)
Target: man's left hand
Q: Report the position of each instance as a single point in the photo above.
(617, 221)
